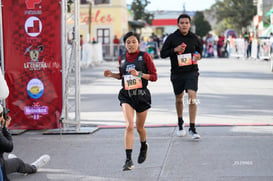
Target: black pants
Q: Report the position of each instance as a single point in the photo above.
(17, 165)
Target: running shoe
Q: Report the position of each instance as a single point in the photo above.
(143, 154)
(193, 133)
(42, 161)
(128, 165)
(181, 132)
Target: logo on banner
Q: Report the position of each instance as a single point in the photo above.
(34, 55)
(36, 110)
(33, 26)
(35, 88)
(31, 3)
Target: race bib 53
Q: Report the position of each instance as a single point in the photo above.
(184, 59)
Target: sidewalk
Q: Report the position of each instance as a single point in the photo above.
(223, 154)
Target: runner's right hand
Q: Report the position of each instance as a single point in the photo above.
(107, 73)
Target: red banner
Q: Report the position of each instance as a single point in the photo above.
(33, 62)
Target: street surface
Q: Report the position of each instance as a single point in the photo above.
(234, 121)
(231, 91)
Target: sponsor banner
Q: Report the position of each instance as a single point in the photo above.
(32, 58)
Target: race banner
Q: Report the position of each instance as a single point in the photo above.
(33, 62)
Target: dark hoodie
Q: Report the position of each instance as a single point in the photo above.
(175, 39)
(6, 145)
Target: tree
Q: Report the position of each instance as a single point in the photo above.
(138, 8)
(235, 13)
(202, 25)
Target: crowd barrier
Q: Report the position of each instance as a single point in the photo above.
(264, 49)
(237, 48)
(112, 51)
(91, 54)
(260, 48)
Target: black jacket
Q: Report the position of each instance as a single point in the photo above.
(175, 39)
(6, 145)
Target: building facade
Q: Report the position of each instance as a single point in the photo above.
(165, 22)
(102, 20)
(264, 11)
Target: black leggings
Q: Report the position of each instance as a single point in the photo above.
(17, 165)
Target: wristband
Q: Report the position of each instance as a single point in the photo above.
(140, 74)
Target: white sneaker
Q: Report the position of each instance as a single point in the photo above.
(42, 161)
(11, 156)
(194, 134)
(180, 133)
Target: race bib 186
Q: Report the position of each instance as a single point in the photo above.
(132, 82)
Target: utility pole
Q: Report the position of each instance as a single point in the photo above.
(90, 19)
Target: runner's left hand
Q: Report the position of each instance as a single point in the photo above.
(134, 72)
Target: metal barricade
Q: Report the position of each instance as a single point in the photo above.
(237, 48)
(91, 54)
(271, 63)
(112, 51)
(260, 48)
(264, 51)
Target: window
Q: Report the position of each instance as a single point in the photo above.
(84, 2)
(103, 35)
(96, 2)
(101, 2)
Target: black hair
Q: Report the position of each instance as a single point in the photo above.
(127, 35)
(183, 16)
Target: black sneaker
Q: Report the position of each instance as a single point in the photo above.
(143, 154)
(128, 165)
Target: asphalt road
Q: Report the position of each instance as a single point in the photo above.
(234, 121)
(231, 91)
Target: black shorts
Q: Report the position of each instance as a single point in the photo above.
(185, 81)
(139, 99)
